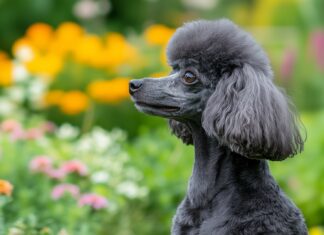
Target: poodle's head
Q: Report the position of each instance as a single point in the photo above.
(222, 79)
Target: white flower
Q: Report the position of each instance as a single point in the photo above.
(85, 144)
(36, 90)
(15, 231)
(86, 9)
(101, 139)
(63, 232)
(37, 87)
(98, 140)
(100, 177)
(118, 134)
(25, 53)
(117, 160)
(16, 94)
(131, 190)
(89, 9)
(20, 73)
(6, 107)
(67, 131)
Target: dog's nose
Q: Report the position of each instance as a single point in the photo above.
(135, 85)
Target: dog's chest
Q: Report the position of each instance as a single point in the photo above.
(199, 220)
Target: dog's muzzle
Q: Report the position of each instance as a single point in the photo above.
(135, 85)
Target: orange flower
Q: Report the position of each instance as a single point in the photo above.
(67, 36)
(5, 187)
(73, 102)
(53, 97)
(3, 56)
(48, 65)
(40, 35)
(88, 49)
(158, 34)
(117, 51)
(6, 68)
(110, 91)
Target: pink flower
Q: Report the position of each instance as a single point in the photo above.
(17, 134)
(40, 164)
(33, 134)
(14, 128)
(48, 127)
(288, 64)
(62, 189)
(317, 47)
(75, 166)
(57, 174)
(95, 201)
(10, 125)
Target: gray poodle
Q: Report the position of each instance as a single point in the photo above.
(220, 97)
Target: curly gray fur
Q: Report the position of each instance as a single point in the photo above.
(246, 112)
(181, 131)
(236, 118)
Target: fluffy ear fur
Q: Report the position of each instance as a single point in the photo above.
(252, 117)
(181, 131)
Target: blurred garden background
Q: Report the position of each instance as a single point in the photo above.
(75, 155)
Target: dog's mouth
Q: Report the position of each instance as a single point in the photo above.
(164, 108)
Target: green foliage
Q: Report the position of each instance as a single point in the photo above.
(17, 15)
(163, 165)
(148, 171)
(34, 209)
(166, 164)
(301, 176)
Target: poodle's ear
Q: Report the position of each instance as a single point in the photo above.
(251, 116)
(181, 131)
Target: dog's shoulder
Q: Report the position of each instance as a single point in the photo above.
(263, 215)
(261, 225)
(269, 225)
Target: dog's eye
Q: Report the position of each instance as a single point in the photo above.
(189, 78)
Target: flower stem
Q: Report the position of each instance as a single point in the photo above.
(88, 118)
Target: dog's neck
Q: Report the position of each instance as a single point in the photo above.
(217, 170)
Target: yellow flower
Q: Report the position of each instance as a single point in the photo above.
(73, 102)
(88, 50)
(315, 231)
(67, 36)
(5, 187)
(158, 34)
(53, 97)
(110, 91)
(6, 68)
(40, 35)
(117, 51)
(47, 65)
